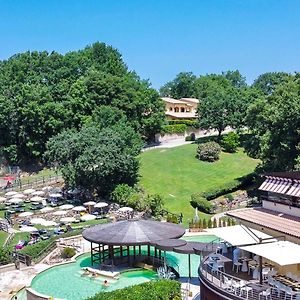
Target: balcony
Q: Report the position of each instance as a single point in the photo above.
(224, 283)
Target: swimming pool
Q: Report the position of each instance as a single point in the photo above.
(66, 281)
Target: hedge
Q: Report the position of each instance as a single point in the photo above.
(169, 129)
(197, 200)
(189, 123)
(229, 187)
(35, 250)
(152, 290)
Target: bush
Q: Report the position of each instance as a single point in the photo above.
(154, 290)
(179, 128)
(201, 203)
(5, 257)
(189, 123)
(229, 197)
(191, 137)
(172, 219)
(68, 252)
(188, 138)
(209, 151)
(228, 187)
(230, 142)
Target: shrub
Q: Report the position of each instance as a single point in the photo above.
(209, 224)
(229, 197)
(209, 151)
(204, 224)
(220, 222)
(155, 290)
(189, 123)
(230, 142)
(188, 138)
(215, 223)
(172, 219)
(179, 128)
(201, 203)
(5, 257)
(68, 252)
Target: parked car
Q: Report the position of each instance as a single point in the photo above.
(21, 244)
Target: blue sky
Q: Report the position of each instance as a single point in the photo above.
(161, 38)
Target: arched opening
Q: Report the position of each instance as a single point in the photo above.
(176, 109)
(182, 109)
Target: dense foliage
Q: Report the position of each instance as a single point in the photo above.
(97, 158)
(274, 122)
(154, 290)
(198, 201)
(5, 257)
(136, 198)
(209, 151)
(43, 93)
(68, 252)
(173, 129)
(230, 142)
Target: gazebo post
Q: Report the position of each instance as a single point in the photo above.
(159, 254)
(155, 252)
(92, 259)
(140, 250)
(148, 250)
(128, 254)
(121, 253)
(134, 253)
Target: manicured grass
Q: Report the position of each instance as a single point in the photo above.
(175, 173)
(3, 236)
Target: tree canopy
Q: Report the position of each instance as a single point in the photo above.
(43, 93)
(97, 158)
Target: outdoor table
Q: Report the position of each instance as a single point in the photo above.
(258, 288)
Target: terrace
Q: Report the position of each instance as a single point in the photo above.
(259, 267)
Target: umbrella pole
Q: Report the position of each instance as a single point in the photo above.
(189, 266)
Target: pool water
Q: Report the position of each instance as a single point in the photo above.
(66, 281)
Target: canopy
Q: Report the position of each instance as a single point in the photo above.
(38, 193)
(100, 205)
(59, 212)
(25, 214)
(46, 209)
(79, 208)
(28, 191)
(55, 195)
(28, 229)
(68, 220)
(125, 209)
(15, 200)
(87, 217)
(11, 193)
(238, 235)
(37, 221)
(18, 195)
(89, 203)
(48, 223)
(130, 233)
(169, 244)
(37, 199)
(66, 206)
(281, 252)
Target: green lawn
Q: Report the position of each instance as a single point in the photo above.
(175, 173)
(3, 236)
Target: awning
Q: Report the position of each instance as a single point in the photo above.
(294, 190)
(276, 185)
(281, 252)
(238, 235)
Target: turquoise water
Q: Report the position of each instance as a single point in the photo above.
(66, 281)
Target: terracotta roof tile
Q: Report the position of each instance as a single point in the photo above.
(280, 222)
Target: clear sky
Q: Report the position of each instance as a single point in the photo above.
(160, 38)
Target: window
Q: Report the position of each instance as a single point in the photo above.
(171, 108)
(182, 109)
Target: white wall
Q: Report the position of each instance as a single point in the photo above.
(281, 208)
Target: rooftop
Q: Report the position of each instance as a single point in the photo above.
(133, 232)
(173, 101)
(193, 100)
(280, 222)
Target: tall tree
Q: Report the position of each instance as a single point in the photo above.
(96, 159)
(267, 82)
(182, 86)
(275, 122)
(236, 78)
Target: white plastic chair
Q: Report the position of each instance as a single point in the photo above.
(290, 292)
(246, 290)
(265, 294)
(227, 284)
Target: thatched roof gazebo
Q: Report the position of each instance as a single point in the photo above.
(118, 237)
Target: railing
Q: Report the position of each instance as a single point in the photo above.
(231, 287)
(8, 240)
(29, 183)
